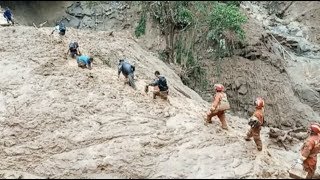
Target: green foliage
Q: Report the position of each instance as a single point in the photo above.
(163, 55)
(141, 28)
(235, 3)
(183, 16)
(225, 17)
(177, 11)
(219, 22)
(90, 4)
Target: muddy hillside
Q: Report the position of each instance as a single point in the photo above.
(61, 121)
(278, 61)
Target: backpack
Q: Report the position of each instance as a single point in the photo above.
(224, 103)
(163, 83)
(73, 46)
(62, 27)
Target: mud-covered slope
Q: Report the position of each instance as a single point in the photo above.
(60, 121)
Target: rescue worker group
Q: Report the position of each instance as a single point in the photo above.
(220, 104)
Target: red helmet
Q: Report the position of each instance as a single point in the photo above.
(315, 128)
(259, 102)
(218, 87)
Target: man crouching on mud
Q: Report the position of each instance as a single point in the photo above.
(84, 61)
(161, 87)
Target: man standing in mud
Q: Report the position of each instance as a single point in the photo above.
(127, 70)
(8, 15)
(73, 49)
(256, 121)
(310, 150)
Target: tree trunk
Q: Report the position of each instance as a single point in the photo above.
(172, 44)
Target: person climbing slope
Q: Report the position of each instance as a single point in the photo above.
(310, 150)
(84, 61)
(74, 49)
(8, 15)
(219, 105)
(160, 85)
(60, 27)
(127, 70)
(255, 122)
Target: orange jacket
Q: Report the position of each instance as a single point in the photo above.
(216, 99)
(310, 149)
(259, 113)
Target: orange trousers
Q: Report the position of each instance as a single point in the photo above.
(310, 165)
(222, 117)
(255, 133)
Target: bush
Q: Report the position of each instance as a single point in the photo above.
(236, 3)
(183, 17)
(141, 28)
(225, 17)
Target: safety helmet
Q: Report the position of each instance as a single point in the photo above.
(218, 87)
(259, 102)
(315, 128)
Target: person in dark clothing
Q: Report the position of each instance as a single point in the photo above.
(74, 49)
(160, 85)
(60, 27)
(8, 15)
(127, 70)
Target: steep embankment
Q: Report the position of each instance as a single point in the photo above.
(292, 45)
(60, 121)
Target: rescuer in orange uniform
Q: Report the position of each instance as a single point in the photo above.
(309, 151)
(217, 109)
(256, 121)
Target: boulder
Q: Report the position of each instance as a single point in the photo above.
(243, 90)
(75, 10)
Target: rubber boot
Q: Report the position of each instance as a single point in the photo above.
(310, 174)
(258, 142)
(209, 117)
(249, 135)
(223, 121)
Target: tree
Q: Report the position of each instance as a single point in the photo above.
(173, 16)
(225, 24)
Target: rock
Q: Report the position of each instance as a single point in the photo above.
(308, 95)
(299, 34)
(74, 22)
(75, 10)
(108, 13)
(243, 90)
(237, 83)
(87, 21)
(87, 11)
(253, 55)
(281, 29)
